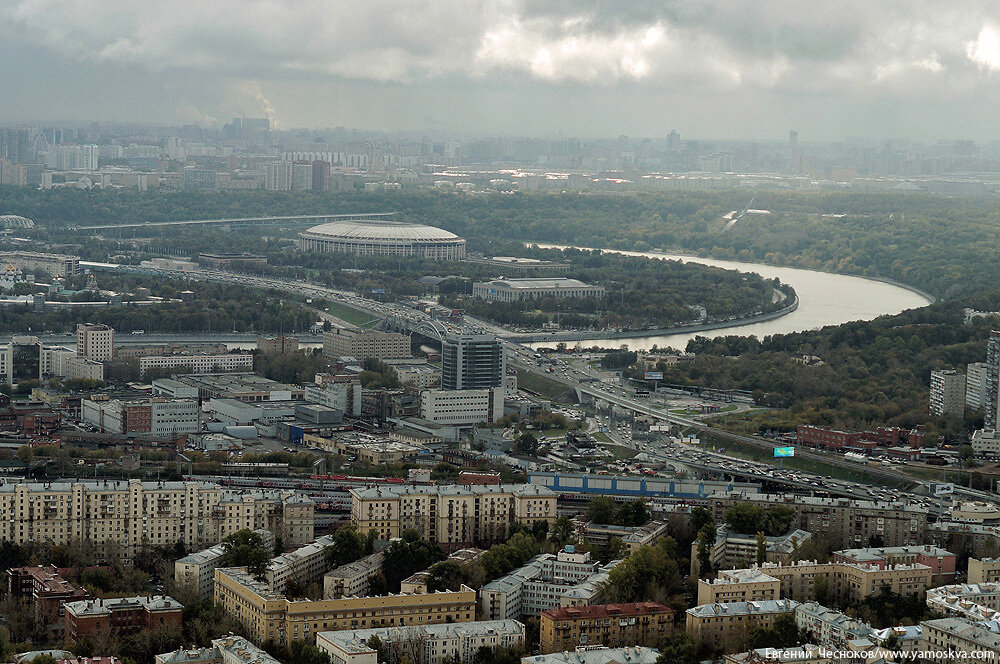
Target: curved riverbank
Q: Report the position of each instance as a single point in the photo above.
(824, 298)
(581, 335)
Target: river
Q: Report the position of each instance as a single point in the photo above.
(824, 299)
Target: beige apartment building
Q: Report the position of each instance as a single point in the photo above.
(269, 616)
(452, 516)
(728, 625)
(843, 522)
(137, 513)
(957, 640)
(365, 343)
(846, 581)
(984, 570)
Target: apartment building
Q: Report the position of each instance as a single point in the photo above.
(417, 582)
(463, 408)
(227, 650)
(197, 363)
(732, 550)
(610, 625)
(975, 384)
(986, 442)
(155, 415)
(740, 585)
(829, 627)
(947, 640)
(452, 516)
(597, 655)
(984, 570)
(306, 564)
(364, 344)
(842, 521)
(45, 591)
(427, 643)
(58, 265)
(95, 342)
(632, 537)
(972, 601)
(196, 571)
(728, 625)
(121, 616)
(941, 561)
(846, 581)
(947, 393)
(138, 513)
(545, 582)
(353, 579)
(270, 616)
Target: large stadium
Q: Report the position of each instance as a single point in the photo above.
(373, 235)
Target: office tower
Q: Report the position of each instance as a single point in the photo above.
(471, 362)
(947, 393)
(95, 342)
(992, 380)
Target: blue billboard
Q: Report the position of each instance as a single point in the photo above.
(784, 452)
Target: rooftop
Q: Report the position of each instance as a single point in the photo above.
(530, 283)
(606, 610)
(597, 655)
(744, 608)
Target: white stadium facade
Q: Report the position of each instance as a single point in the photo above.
(373, 235)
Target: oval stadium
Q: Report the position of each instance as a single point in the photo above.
(380, 237)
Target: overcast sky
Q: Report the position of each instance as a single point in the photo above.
(708, 68)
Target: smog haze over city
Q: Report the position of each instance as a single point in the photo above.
(499, 332)
(726, 69)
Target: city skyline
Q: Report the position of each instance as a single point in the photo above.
(716, 71)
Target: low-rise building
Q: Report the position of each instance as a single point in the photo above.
(972, 601)
(986, 442)
(596, 655)
(464, 408)
(417, 582)
(984, 570)
(242, 386)
(270, 616)
(545, 582)
(196, 571)
(941, 561)
(364, 344)
(947, 640)
(732, 550)
(422, 643)
(227, 650)
(121, 616)
(728, 625)
(353, 579)
(373, 449)
(155, 415)
(742, 585)
(632, 537)
(517, 290)
(198, 363)
(804, 654)
(829, 627)
(45, 590)
(306, 564)
(610, 625)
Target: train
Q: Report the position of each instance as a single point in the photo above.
(365, 480)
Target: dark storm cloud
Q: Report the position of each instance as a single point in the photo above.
(545, 65)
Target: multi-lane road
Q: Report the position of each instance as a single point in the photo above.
(583, 382)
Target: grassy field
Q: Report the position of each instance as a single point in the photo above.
(619, 451)
(545, 387)
(348, 314)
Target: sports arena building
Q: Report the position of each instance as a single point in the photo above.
(373, 235)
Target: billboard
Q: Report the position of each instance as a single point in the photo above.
(784, 452)
(943, 489)
(378, 291)
(654, 375)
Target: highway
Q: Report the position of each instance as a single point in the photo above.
(583, 383)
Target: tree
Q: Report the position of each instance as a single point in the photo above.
(347, 547)
(563, 531)
(706, 541)
(408, 555)
(700, 516)
(633, 513)
(245, 548)
(761, 547)
(744, 517)
(821, 589)
(602, 510)
(678, 649)
(526, 444)
(783, 633)
(303, 652)
(446, 575)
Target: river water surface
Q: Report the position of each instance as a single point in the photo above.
(824, 299)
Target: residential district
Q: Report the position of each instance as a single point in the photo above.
(212, 515)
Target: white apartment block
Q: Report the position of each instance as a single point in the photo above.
(196, 571)
(975, 385)
(462, 407)
(545, 582)
(224, 363)
(135, 514)
(422, 643)
(947, 396)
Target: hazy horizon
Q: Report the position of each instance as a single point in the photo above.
(734, 70)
